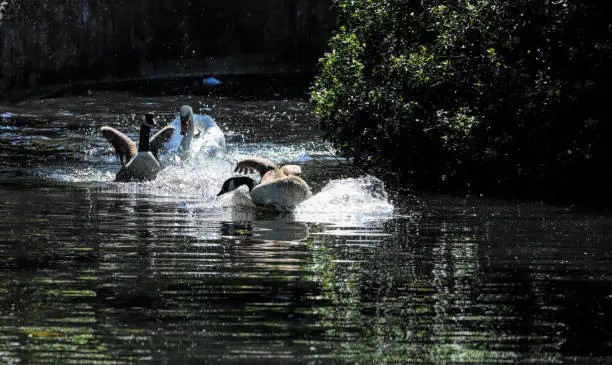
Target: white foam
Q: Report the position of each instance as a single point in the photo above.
(350, 200)
(194, 184)
(87, 174)
(200, 177)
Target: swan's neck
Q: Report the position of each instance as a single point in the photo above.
(190, 133)
(186, 141)
(143, 140)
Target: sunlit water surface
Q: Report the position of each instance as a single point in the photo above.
(166, 272)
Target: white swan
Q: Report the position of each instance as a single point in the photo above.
(195, 134)
(142, 163)
(278, 187)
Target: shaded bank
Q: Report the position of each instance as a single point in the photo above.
(242, 86)
(43, 43)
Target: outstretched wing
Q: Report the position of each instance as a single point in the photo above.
(252, 164)
(125, 148)
(159, 140)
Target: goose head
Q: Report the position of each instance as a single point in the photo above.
(234, 182)
(149, 120)
(186, 114)
(145, 129)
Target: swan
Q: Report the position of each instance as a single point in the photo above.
(194, 134)
(138, 163)
(280, 187)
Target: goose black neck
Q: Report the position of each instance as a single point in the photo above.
(249, 182)
(242, 180)
(236, 181)
(143, 140)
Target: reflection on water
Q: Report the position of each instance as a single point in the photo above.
(167, 273)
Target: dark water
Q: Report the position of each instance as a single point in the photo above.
(93, 272)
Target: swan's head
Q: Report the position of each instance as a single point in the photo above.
(186, 114)
(234, 182)
(149, 120)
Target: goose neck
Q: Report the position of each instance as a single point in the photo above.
(143, 140)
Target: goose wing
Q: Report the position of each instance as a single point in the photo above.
(291, 170)
(160, 139)
(125, 148)
(281, 191)
(251, 164)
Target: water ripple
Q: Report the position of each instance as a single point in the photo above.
(165, 272)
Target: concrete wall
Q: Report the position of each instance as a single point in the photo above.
(61, 41)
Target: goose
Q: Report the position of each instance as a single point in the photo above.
(278, 187)
(142, 163)
(194, 134)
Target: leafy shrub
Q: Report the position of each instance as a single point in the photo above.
(489, 93)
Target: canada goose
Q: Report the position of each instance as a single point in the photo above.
(142, 163)
(194, 134)
(277, 187)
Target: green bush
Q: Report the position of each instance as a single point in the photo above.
(487, 94)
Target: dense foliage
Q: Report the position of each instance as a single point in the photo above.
(487, 94)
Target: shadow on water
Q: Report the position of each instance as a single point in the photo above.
(164, 272)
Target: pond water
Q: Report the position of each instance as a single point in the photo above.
(164, 272)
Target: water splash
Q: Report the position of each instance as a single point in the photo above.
(194, 184)
(345, 201)
(76, 175)
(199, 177)
(280, 153)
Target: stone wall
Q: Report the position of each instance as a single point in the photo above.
(46, 42)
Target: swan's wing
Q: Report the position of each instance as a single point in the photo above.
(160, 139)
(291, 170)
(252, 164)
(125, 148)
